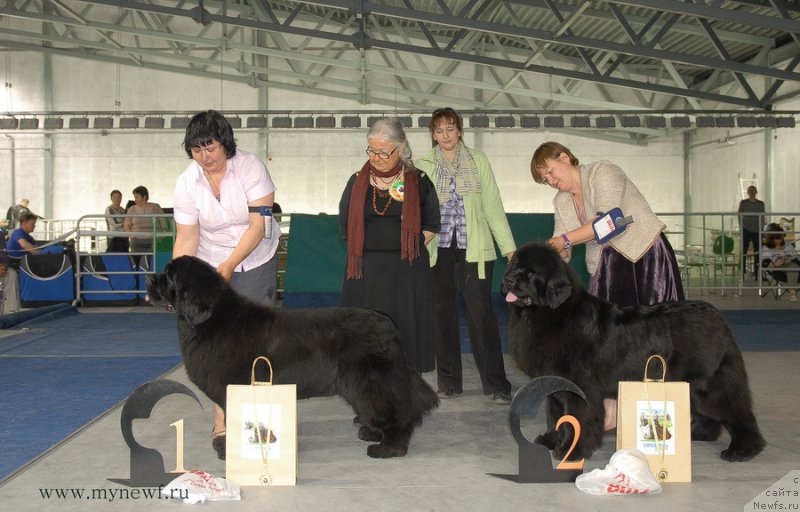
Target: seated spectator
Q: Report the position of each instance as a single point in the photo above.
(115, 220)
(21, 242)
(777, 254)
(142, 243)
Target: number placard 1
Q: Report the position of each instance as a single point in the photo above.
(147, 464)
(178, 446)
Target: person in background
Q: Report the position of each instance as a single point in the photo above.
(21, 242)
(463, 257)
(15, 212)
(115, 221)
(142, 243)
(217, 217)
(388, 213)
(778, 256)
(749, 225)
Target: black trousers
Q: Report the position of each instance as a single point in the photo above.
(747, 237)
(453, 272)
(118, 244)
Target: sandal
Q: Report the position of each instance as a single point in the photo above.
(218, 442)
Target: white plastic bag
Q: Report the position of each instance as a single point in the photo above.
(626, 473)
(198, 486)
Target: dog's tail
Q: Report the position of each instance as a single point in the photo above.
(423, 398)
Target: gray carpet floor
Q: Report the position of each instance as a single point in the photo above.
(449, 466)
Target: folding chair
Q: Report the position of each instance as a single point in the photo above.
(775, 281)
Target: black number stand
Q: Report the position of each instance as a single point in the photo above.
(147, 464)
(535, 460)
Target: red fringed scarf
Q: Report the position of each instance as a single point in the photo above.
(409, 227)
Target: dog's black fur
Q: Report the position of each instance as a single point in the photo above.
(351, 352)
(557, 328)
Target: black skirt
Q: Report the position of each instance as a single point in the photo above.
(403, 292)
(392, 285)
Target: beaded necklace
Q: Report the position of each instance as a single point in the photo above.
(375, 201)
(383, 193)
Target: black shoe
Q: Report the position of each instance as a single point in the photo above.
(447, 393)
(501, 398)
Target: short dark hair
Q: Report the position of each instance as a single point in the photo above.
(774, 233)
(207, 126)
(548, 151)
(142, 191)
(115, 191)
(25, 217)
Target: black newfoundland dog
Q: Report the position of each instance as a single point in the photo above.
(351, 352)
(557, 328)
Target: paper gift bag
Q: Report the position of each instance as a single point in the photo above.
(261, 426)
(653, 416)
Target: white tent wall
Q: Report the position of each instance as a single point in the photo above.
(785, 189)
(311, 167)
(717, 164)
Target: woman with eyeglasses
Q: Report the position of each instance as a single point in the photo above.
(388, 213)
(462, 257)
(637, 266)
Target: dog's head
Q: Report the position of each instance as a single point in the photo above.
(189, 285)
(536, 276)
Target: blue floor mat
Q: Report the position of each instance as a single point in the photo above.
(58, 375)
(758, 330)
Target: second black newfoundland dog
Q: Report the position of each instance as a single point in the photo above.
(351, 352)
(557, 328)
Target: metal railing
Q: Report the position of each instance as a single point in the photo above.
(708, 248)
(706, 244)
(90, 241)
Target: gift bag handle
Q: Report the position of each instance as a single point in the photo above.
(253, 380)
(661, 447)
(663, 369)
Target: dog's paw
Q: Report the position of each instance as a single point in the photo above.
(546, 440)
(370, 434)
(576, 454)
(218, 443)
(382, 451)
(741, 453)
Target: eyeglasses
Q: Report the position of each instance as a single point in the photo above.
(383, 155)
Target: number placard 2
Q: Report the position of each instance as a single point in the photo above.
(535, 460)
